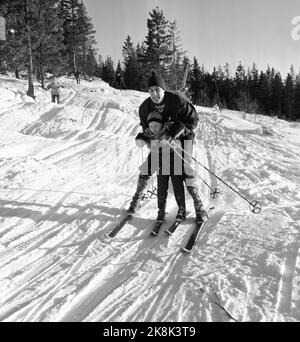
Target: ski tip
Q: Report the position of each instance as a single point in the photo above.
(201, 222)
(185, 251)
(168, 233)
(153, 233)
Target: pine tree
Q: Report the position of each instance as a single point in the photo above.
(78, 33)
(85, 31)
(296, 106)
(264, 92)
(91, 65)
(276, 97)
(47, 39)
(14, 52)
(289, 96)
(186, 75)
(142, 80)
(158, 42)
(108, 72)
(198, 85)
(99, 69)
(242, 93)
(240, 77)
(253, 81)
(227, 90)
(176, 68)
(131, 65)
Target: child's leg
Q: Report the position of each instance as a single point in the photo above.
(162, 193)
(179, 192)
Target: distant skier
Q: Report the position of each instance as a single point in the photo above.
(163, 164)
(173, 107)
(55, 90)
(77, 75)
(119, 80)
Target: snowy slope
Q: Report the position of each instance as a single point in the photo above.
(68, 171)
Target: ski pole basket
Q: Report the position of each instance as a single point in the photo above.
(255, 207)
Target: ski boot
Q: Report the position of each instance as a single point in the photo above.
(181, 215)
(201, 215)
(141, 186)
(161, 215)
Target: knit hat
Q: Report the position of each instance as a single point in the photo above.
(156, 80)
(155, 116)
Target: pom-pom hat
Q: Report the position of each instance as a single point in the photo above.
(156, 81)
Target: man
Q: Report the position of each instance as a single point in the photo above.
(172, 107)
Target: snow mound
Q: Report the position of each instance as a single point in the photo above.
(22, 172)
(240, 125)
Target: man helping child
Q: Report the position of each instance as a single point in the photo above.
(181, 113)
(163, 161)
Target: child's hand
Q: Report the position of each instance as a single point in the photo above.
(154, 143)
(140, 143)
(165, 139)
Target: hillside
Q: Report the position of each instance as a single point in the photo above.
(67, 174)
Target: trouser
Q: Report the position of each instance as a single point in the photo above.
(162, 190)
(55, 97)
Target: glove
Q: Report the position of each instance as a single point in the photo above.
(165, 139)
(140, 143)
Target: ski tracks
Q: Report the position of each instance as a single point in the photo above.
(288, 298)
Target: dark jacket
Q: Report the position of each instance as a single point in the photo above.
(159, 161)
(174, 108)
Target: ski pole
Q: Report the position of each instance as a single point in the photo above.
(254, 205)
(214, 192)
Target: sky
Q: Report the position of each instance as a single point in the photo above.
(213, 31)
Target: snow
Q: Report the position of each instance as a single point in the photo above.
(67, 174)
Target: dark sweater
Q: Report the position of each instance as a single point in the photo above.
(173, 108)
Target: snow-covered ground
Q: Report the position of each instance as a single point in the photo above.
(67, 173)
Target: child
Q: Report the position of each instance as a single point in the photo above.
(55, 90)
(163, 161)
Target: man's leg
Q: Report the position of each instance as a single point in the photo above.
(146, 171)
(141, 186)
(191, 181)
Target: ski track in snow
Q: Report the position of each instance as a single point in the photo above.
(68, 171)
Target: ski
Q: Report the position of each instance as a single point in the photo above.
(119, 226)
(173, 227)
(193, 237)
(156, 228)
(175, 224)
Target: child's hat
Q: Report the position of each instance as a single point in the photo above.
(155, 116)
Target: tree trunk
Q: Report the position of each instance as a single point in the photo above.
(42, 77)
(30, 91)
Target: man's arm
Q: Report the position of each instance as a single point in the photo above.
(143, 114)
(187, 115)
